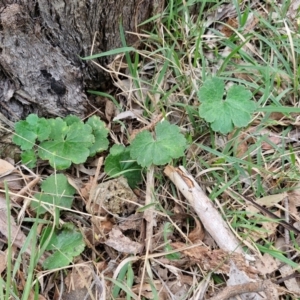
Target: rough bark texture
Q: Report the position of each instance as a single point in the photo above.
(40, 45)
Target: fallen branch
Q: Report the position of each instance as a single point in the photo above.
(149, 216)
(209, 216)
(217, 228)
(253, 287)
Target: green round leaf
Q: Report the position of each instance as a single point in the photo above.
(167, 144)
(69, 144)
(223, 115)
(56, 191)
(29, 158)
(66, 245)
(100, 133)
(119, 162)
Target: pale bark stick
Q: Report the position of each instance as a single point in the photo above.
(149, 216)
(213, 223)
(208, 214)
(27, 201)
(258, 286)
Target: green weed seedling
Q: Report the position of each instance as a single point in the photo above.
(145, 150)
(168, 230)
(124, 281)
(168, 144)
(65, 244)
(60, 141)
(235, 110)
(119, 162)
(56, 193)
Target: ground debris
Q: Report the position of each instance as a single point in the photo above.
(216, 260)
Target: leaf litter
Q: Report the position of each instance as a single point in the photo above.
(114, 236)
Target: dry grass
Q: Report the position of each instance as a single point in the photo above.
(251, 175)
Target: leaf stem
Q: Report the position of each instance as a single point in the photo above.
(149, 217)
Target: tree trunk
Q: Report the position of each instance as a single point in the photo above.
(40, 45)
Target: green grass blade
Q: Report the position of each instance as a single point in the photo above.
(282, 109)
(115, 102)
(9, 246)
(277, 254)
(109, 53)
(32, 265)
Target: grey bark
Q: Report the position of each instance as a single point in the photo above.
(40, 45)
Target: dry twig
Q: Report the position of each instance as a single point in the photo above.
(220, 231)
(250, 287)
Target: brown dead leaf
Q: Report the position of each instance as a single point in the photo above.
(17, 236)
(180, 287)
(267, 264)
(150, 126)
(133, 222)
(32, 296)
(79, 277)
(146, 290)
(129, 114)
(227, 28)
(242, 143)
(98, 232)
(84, 170)
(294, 199)
(3, 261)
(291, 284)
(271, 200)
(293, 9)
(277, 116)
(216, 260)
(271, 137)
(267, 228)
(101, 228)
(121, 243)
(109, 110)
(244, 140)
(10, 175)
(86, 188)
(197, 234)
(5, 167)
(101, 266)
(13, 180)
